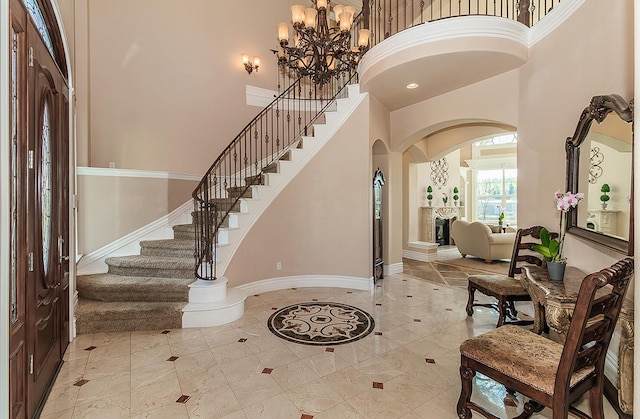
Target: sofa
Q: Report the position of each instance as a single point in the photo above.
(479, 239)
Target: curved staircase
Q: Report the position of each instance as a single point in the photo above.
(158, 289)
(149, 291)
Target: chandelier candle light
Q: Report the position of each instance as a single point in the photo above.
(320, 50)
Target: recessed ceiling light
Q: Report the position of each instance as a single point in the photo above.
(412, 85)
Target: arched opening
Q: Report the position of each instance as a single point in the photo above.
(440, 178)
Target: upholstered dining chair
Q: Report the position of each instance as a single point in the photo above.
(505, 288)
(546, 372)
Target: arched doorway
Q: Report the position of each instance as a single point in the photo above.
(451, 141)
(39, 211)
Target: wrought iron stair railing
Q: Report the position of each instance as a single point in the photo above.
(255, 151)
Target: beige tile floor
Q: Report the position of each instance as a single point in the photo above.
(420, 323)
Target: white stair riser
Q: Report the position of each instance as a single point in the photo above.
(215, 317)
(215, 313)
(202, 291)
(223, 236)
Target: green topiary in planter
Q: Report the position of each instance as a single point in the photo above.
(604, 197)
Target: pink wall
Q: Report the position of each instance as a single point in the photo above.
(320, 223)
(491, 100)
(165, 87)
(590, 54)
(110, 207)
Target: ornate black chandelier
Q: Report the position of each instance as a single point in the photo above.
(321, 50)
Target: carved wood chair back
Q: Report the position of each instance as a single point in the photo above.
(591, 327)
(549, 373)
(523, 250)
(505, 288)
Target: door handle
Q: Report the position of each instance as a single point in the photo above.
(61, 258)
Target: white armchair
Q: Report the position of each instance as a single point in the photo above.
(477, 239)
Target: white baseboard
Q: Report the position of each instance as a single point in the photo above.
(328, 281)
(423, 257)
(394, 268)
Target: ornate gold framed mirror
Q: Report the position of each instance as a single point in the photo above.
(600, 165)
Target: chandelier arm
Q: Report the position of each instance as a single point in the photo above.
(320, 52)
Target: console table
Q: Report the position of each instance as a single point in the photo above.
(553, 303)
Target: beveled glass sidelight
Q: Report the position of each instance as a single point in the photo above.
(46, 184)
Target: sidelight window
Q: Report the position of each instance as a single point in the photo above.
(45, 184)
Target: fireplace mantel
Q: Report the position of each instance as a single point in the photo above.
(429, 215)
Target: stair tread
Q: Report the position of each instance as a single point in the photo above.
(189, 226)
(118, 288)
(169, 243)
(156, 262)
(113, 280)
(96, 310)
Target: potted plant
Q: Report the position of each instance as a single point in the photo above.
(445, 198)
(604, 198)
(429, 194)
(455, 195)
(501, 215)
(551, 249)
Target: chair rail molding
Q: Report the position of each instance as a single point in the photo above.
(149, 174)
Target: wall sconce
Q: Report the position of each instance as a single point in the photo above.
(250, 66)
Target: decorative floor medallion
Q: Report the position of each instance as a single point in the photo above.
(321, 323)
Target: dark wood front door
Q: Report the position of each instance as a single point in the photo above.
(39, 223)
(46, 177)
(18, 351)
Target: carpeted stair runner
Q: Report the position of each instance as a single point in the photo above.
(148, 291)
(140, 292)
(170, 247)
(158, 266)
(116, 316)
(109, 287)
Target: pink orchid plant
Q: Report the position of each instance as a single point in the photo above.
(551, 249)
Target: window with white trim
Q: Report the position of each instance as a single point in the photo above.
(495, 179)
